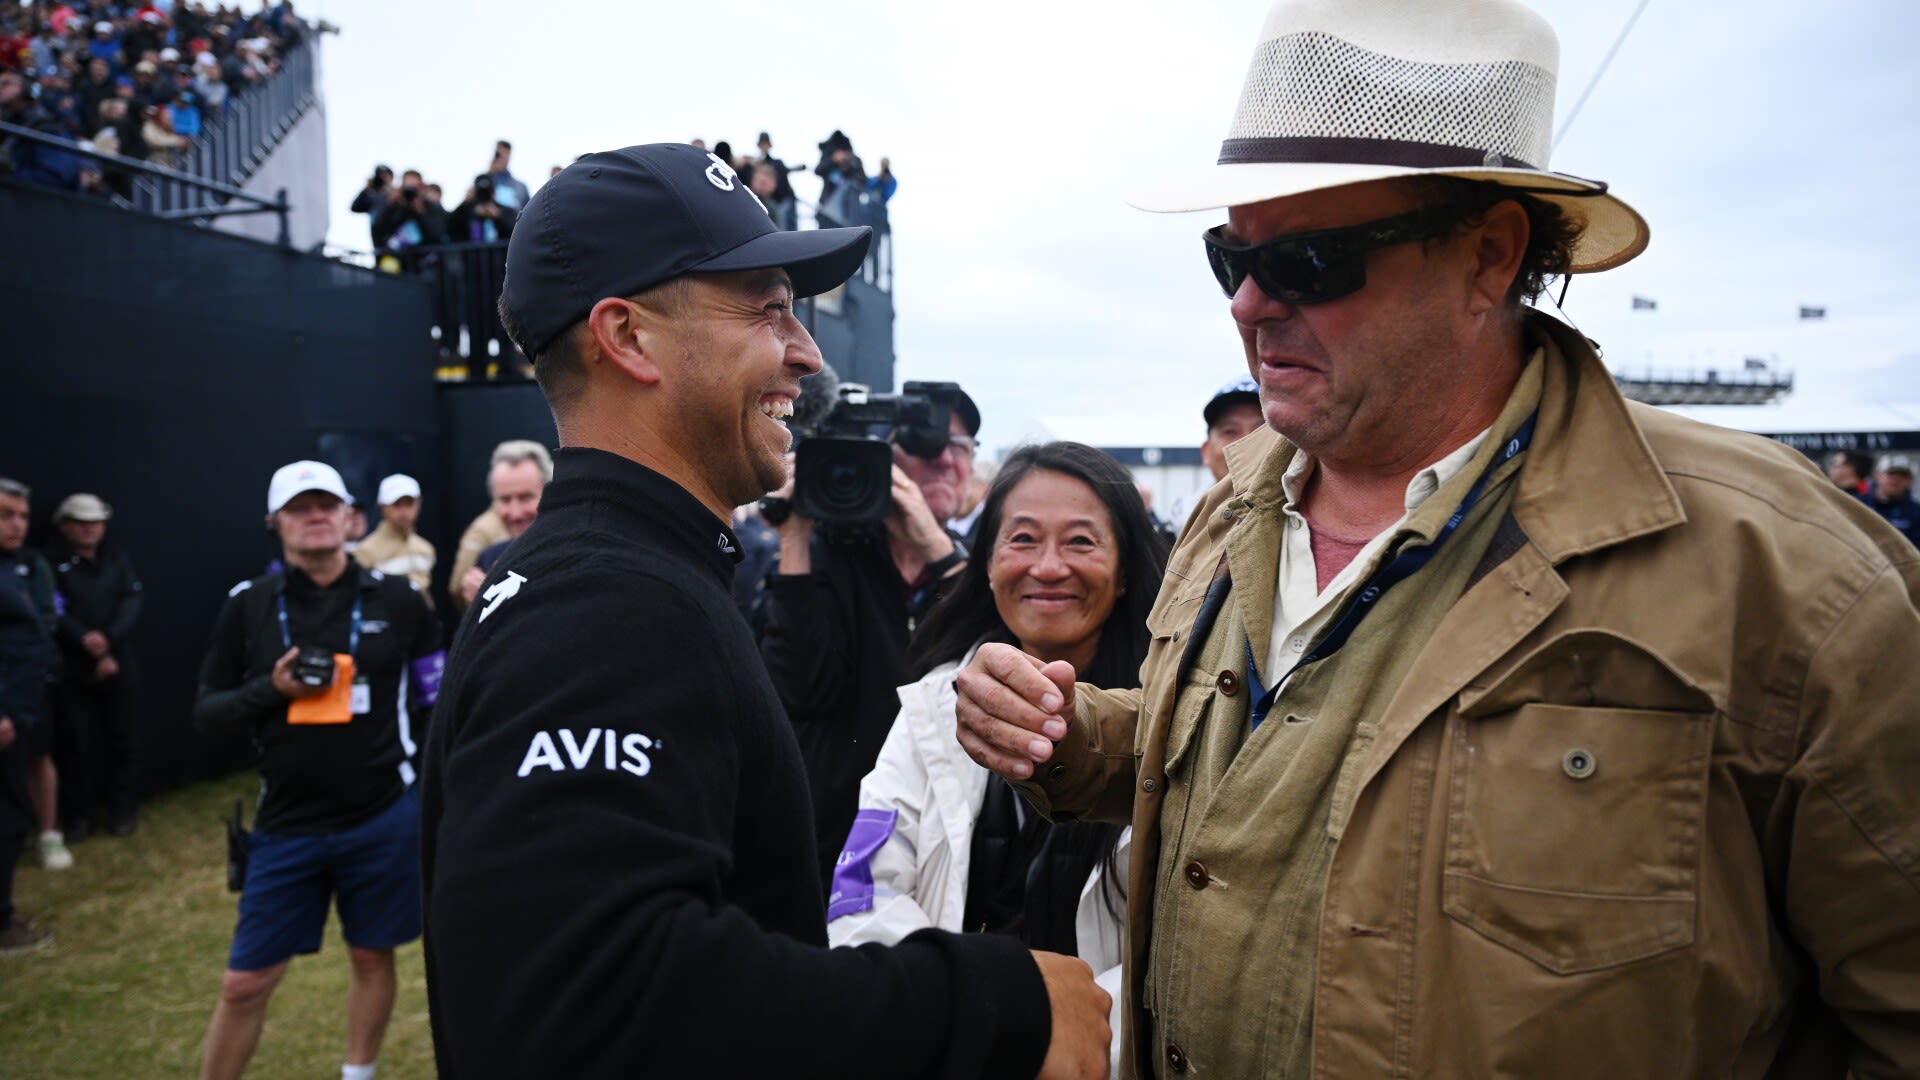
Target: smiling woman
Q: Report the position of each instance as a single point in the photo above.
(1073, 566)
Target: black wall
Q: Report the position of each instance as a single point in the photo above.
(170, 369)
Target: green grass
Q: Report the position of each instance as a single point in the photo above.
(142, 926)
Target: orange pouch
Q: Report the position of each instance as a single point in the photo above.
(333, 707)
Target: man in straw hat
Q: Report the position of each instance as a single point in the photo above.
(1493, 725)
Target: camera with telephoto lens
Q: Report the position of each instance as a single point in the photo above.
(843, 473)
(313, 667)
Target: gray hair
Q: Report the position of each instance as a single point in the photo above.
(515, 451)
(15, 488)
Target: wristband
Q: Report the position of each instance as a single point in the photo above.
(938, 568)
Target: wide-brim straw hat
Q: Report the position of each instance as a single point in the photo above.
(1349, 91)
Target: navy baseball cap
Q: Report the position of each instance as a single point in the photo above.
(620, 222)
(1237, 392)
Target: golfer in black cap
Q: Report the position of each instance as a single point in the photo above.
(619, 858)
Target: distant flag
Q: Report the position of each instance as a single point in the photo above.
(1812, 312)
(1641, 303)
(1754, 363)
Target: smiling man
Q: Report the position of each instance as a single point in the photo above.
(619, 853)
(1492, 725)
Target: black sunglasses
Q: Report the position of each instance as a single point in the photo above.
(1312, 267)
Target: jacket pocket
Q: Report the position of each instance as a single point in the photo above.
(1573, 832)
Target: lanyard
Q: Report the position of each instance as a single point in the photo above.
(353, 636)
(1400, 569)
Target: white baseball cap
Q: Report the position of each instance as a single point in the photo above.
(301, 476)
(396, 487)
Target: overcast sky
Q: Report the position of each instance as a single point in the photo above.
(1771, 148)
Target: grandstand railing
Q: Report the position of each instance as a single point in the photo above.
(173, 194)
(235, 143)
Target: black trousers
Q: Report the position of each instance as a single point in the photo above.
(94, 744)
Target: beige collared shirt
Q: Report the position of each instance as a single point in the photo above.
(1301, 608)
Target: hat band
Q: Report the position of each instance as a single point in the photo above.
(1295, 150)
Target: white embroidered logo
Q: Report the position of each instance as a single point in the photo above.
(628, 753)
(500, 592)
(720, 174)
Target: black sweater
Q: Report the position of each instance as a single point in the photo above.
(323, 778)
(102, 593)
(619, 857)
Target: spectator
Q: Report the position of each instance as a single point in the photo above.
(1849, 469)
(508, 192)
(373, 197)
(779, 168)
(318, 663)
(884, 185)
(95, 86)
(395, 549)
(144, 36)
(208, 84)
(163, 145)
(765, 184)
(410, 220)
(781, 202)
(480, 219)
(1067, 572)
(838, 615)
(129, 127)
(99, 689)
(24, 659)
(105, 44)
(1892, 496)
(488, 528)
(185, 112)
(519, 473)
(24, 569)
(1232, 412)
(841, 174)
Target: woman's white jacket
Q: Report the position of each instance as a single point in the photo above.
(904, 867)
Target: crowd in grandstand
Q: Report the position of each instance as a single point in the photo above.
(141, 82)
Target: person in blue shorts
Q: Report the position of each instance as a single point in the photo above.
(327, 664)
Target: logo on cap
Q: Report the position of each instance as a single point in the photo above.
(720, 174)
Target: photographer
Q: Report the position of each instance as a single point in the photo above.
(838, 615)
(374, 197)
(480, 219)
(323, 663)
(411, 220)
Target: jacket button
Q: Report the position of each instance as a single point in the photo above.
(1176, 1058)
(1056, 772)
(1148, 784)
(1579, 763)
(1197, 875)
(1228, 683)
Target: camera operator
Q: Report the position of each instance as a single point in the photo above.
(480, 219)
(321, 663)
(374, 197)
(409, 221)
(838, 615)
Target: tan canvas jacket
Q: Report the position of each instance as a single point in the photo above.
(1646, 805)
(391, 552)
